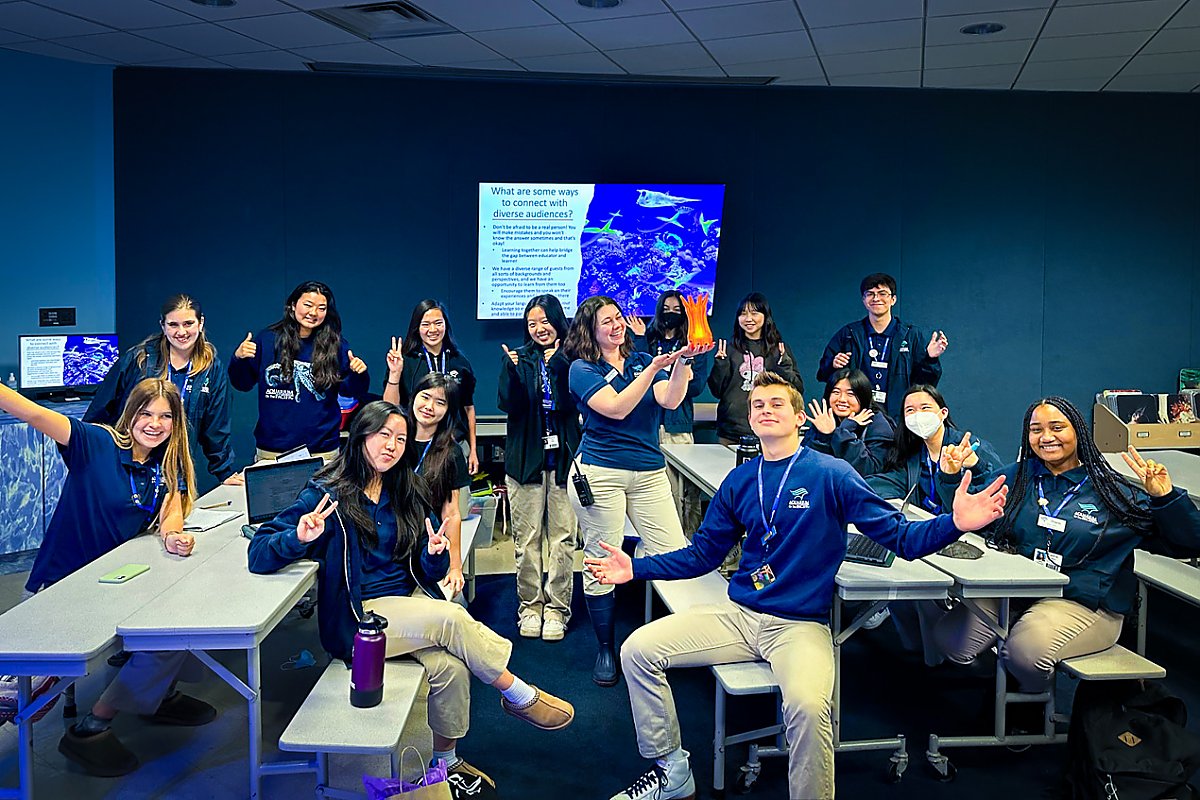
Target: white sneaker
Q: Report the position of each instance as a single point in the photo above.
(876, 619)
(531, 626)
(658, 784)
(553, 629)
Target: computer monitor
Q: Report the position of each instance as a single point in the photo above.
(75, 362)
(272, 486)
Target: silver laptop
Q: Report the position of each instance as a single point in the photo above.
(272, 486)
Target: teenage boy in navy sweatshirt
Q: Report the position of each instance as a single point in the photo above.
(794, 504)
(893, 354)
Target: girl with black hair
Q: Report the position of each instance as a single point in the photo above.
(382, 555)
(428, 346)
(543, 430)
(1072, 512)
(755, 347)
(436, 457)
(848, 425)
(667, 333)
(300, 365)
(183, 355)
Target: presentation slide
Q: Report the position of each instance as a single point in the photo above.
(49, 362)
(631, 242)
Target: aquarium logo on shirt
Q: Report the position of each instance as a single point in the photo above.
(799, 498)
(1087, 513)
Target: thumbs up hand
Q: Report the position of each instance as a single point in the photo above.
(357, 365)
(247, 349)
(512, 356)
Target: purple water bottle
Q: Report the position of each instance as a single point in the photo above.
(366, 670)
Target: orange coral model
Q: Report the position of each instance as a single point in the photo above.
(696, 309)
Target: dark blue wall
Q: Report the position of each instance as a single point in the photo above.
(1053, 236)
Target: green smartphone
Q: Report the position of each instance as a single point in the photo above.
(125, 573)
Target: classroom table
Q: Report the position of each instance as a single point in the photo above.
(1184, 469)
(1173, 576)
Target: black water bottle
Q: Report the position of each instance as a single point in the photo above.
(747, 449)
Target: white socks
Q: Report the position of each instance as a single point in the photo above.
(520, 694)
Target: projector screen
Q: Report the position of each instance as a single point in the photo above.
(70, 360)
(630, 241)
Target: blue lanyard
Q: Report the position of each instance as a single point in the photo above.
(424, 453)
(1045, 504)
(136, 496)
(186, 389)
(429, 361)
(887, 342)
(547, 389)
(931, 500)
(769, 522)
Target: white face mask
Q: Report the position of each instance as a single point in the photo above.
(923, 423)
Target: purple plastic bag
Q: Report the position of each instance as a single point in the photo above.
(381, 788)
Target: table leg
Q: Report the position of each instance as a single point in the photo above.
(1142, 616)
(254, 682)
(25, 737)
(837, 671)
(1001, 677)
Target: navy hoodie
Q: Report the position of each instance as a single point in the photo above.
(907, 358)
(864, 448)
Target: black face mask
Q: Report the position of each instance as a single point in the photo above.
(673, 319)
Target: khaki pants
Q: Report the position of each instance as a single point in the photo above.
(147, 678)
(271, 455)
(1051, 630)
(643, 496)
(451, 646)
(687, 496)
(801, 658)
(541, 513)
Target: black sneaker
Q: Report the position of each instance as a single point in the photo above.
(468, 783)
(100, 754)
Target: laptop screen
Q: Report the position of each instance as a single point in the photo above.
(272, 486)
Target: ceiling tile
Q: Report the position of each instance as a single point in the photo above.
(879, 79)
(1163, 64)
(57, 51)
(1174, 40)
(972, 76)
(575, 62)
(1078, 68)
(1063, 84)
(785, 69)
(767, 47)
(204, 39)
(1187, 17)
(42, 23)
(949, 8)
(1018, 25)
(189, 63)
(828, 13)
(614, 34)
(494, 64)
(545, 40)
(1144, 15)
(688, 5)
(488, 15)
(873, 63)
(871, 36)
(721, 23)
(125, 47)
(244, 8)
(123, 15)
(571, 11)
(801, 82)
(441, 50)
(357, 53)
(12, 36)
(1183, 82)
(976, 54)
(270, 59)
(287, 31)
(1098, 45)
(695, 72)
(643, 60)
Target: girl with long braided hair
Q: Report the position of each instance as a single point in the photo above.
(1072, 512)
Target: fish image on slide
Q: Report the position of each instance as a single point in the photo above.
(648, 198)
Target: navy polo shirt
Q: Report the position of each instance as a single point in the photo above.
(630, 443)
(96, 512)
(382, 576)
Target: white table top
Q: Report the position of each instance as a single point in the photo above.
(999, 574)
(1184, 469)
(1171, 575)
(705, 464)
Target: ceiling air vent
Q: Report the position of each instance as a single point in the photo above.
(394, 20)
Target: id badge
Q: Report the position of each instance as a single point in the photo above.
(762, 577)
(1048, 559)
(878, 396)
(879, 364)
(611, 376)
(550, 442)
(1051, 523)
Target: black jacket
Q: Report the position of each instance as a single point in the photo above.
(908, 360)
(520, 396)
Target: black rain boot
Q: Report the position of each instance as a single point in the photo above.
(601, 609)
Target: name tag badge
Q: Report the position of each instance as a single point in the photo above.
(762, 577)
(879, 364)
(878, 396)
(611, 376)
(1051, 523)
(550, 442)
(1047, 559)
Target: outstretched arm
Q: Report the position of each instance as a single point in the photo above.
(51, 423)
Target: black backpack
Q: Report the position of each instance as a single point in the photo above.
(1127, 741)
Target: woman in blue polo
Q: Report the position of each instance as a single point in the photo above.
(182, 355)
(122, 480)
(621, 395)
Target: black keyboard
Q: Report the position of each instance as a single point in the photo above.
(861, 550)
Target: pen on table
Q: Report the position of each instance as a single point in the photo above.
(217, 505)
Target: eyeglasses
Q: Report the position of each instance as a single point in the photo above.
(437, 324)
(877, 295)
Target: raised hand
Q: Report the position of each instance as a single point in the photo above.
(180, 544)
(1153, 475)
(636, 324)
(614, 568)
(395, 358)
(821, 416)
(357, 365)
(665, 360)
(782, 353)
(721, 344)
(693, 350)
(975, 511)
(957, 456)
(937, 344)
(512, 355)
(863, 417)
(841, 360)
(312, 524)
(438, 540)
(549, 352)
(247, 349)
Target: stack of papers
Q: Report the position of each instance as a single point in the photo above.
(202, 519)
